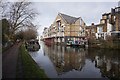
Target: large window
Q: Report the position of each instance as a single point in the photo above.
(100, 29)
(58, 24)
(93, 31)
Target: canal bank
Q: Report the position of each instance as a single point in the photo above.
(104, 44)
(29, 66)
(72, 62)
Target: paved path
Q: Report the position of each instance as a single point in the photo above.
(9, 62)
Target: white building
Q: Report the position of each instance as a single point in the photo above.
(45, 33)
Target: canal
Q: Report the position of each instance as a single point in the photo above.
(74, 62)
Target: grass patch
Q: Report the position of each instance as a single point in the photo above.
(30, 68)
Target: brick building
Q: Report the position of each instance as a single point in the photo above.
(66, 29)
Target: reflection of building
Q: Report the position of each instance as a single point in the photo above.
(109, 66)
(107, 61)
(98, 61)
(66, 58)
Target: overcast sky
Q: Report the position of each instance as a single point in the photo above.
(91, 12)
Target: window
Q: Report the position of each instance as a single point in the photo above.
(83, 30)
(62, 29)
(58, 25)
(103, 21)
(92, 30)
(100, 29)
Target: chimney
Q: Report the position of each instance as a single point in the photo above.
(92, 24)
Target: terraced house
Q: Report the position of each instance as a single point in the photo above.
(66, 29)
(109, 25)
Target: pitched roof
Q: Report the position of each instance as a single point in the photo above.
(68, 19)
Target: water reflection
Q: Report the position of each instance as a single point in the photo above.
(108, 61)
(69, 62)
(65, 58)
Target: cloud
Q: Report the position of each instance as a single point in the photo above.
(89, 11)
(74, 0)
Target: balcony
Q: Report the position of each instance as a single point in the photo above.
(60, 34)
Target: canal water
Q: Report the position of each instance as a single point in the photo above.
(74, 62)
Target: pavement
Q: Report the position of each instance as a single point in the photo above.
(0, 65)
(9, 62)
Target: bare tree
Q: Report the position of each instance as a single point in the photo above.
(20, 14)
(30, 34)
(27, 34)
(3, 8)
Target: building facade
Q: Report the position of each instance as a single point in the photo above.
(66, 29)
(109, 25)
(45, 33)
(90, 31)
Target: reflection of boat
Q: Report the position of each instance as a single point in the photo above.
(32, 45)
(76, 43)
